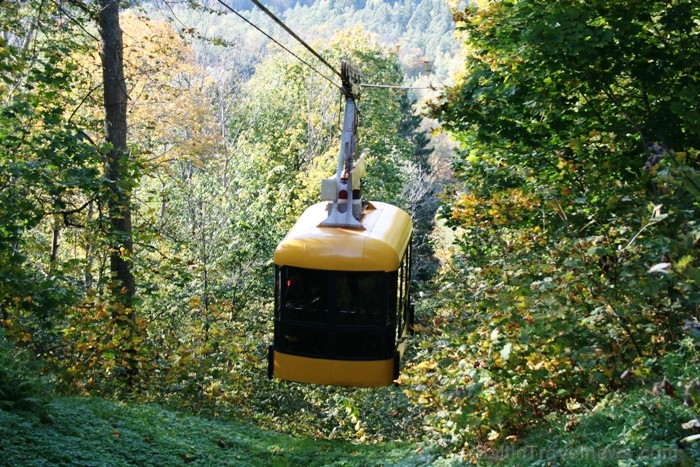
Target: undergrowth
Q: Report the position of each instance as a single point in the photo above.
(642, 425)
(22, 388)
(98, 432)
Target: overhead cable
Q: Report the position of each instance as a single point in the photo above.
(293, 34)
(285, 48)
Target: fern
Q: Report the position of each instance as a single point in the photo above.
(21, 385)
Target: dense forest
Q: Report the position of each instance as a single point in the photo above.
(154, 153)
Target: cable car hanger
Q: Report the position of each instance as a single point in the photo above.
(343, 192)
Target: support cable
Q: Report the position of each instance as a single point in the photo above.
(285, 48)
(294, 35)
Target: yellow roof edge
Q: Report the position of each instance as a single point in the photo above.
(379, 247)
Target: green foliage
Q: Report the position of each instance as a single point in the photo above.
(22, 388)
(90, 431)
(361, 415)
(640, 426)
(553, 294)
(422, 29)
(49, 172)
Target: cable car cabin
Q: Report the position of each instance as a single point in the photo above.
(342, 308)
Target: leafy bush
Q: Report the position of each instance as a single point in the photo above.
(22, 388)
(576, 213)
(641, 426)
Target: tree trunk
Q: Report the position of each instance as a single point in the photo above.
(122, 283)
(55, 238)
(115, 102)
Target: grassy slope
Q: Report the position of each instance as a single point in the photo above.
(96, 432)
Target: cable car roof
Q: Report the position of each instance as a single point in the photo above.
(379, 247)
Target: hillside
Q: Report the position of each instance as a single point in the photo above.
(421, 32)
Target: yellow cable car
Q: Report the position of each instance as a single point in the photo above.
(342, 275)
(342, 307)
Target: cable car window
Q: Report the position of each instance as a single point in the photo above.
(304, 294)
(302, 340)
(361, 298)
(363, 344)
(392, 299)
(336, 314)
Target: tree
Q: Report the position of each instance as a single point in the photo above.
(576, 174)
(120, 183)
(115, 106)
